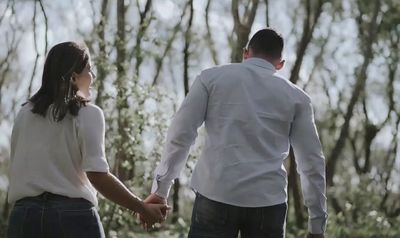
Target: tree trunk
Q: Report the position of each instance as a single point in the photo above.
(186, 56)
(242, 27)
(310, 21)
(295, 191)
(369, 38)
(102, 58)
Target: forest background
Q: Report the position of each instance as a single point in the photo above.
(146, 53)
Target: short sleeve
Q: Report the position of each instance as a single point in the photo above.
(91, 132)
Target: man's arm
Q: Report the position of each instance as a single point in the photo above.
(181, 135)
(310, 165)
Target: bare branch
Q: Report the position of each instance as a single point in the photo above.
(309, 24)
(209, 38)
(242, 28)
(3, 14)
(36, 50)
(46, 26)
(390, 162)
(160, 59)
(186, 53)
(144, 23)
(101, 60)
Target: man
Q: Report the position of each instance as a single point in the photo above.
(251, 116)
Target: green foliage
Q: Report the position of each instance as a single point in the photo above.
(138, 114)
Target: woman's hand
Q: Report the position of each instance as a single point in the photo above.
(153, 213)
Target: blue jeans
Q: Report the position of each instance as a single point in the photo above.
(213, 219)
(49, 215)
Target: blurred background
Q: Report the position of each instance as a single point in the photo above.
(146, 54)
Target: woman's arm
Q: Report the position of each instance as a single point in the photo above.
(113, 189)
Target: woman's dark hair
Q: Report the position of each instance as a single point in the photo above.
(57, 90)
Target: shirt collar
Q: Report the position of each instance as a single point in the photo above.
(260, 63)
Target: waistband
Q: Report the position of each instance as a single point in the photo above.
(47, 196)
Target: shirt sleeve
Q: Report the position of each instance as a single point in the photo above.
(91, 132)
(310, 165)
(15, 132)
(181, 135)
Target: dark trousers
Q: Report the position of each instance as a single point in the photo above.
(50, 215)
(213, 219)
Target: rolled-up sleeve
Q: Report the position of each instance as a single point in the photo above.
(181, 135)
(310, 165)
(91, 132)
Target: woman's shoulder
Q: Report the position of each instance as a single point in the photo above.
(90, 112)
(26, 108)
(91, 109)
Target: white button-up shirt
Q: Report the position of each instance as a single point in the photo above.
(251, 117)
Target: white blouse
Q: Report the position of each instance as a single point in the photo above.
(50, 156)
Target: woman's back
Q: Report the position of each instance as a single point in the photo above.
(58, 156)
(51, 156)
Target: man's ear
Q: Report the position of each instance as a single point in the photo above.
(246, 53)
(280, 65)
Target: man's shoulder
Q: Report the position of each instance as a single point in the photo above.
(220, 68)
(210, 75)
(293, 88)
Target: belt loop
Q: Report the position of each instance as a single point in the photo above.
(45, 196)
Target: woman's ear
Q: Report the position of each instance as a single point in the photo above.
(73, 77)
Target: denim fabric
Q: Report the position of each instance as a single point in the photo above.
(211, 219)
(50, 215)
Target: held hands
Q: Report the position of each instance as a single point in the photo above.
(153, 213)
(157, 208)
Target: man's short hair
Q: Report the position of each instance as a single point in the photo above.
(267, 42)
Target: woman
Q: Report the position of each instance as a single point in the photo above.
(58, 159)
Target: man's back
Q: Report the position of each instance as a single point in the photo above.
(249, 113)
(251, 117)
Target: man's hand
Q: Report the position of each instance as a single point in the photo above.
(153, 213)
(315, 235)
(153, 199)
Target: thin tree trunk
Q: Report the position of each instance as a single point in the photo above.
(160, 59)
(36, 51)
(186, 53)
(357, 90)
(46, 27)
(101, 60)
(3, 14)
(295, 191)
(310, 21)
(120, 84)
(144, 23)
(186, 56)
(266, 12)
(390, 164)
(122, 102)
(209, 38)
(242, 27)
